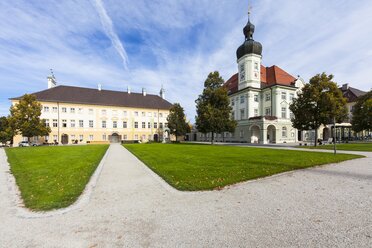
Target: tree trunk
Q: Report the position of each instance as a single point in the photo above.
(212, 141)
(176, 137)
(316, 137)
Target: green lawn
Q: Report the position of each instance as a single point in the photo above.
(205, 167)
(364, 147)
(53, 177)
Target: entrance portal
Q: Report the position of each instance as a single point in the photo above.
(255, 134)
(114, 138)
(271, 134)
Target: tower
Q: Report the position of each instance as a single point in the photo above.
(51, 80)
(162, 92)
(249, 56)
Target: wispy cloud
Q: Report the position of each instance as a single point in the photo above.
(176, 43)
(109, 30)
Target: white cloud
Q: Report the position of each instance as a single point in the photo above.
(109, 29)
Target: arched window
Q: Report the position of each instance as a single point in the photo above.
(284, 132)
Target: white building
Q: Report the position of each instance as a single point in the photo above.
(260, 97)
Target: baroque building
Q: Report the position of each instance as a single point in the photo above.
(85, 115)
(260, 97)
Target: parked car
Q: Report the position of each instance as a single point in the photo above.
(35, 144)
(23, 144)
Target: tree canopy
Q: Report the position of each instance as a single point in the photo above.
(177, 120)
(318, 103)
(25, 117)
(6, 132)
(362, 113)
(213, 107)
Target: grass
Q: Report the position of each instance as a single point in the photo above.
(206, 167)
(53, 177)
(364, 147)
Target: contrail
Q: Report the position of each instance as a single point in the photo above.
(110, 32)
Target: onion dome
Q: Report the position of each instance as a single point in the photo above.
(249, 45)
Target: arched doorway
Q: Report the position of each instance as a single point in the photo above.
(114, 138)
(271, 134)
(64, 139)
(326, 133)
(255, 134)
(156, 137)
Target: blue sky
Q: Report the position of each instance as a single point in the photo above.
(176, 43)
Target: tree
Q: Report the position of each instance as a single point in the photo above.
(25, 118)
(6, 132)
(362, 113)
(177, 120)
(213, 107)
(320, 102)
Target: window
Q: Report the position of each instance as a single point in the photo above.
(233, 115)
(81, 137)
(143, 124)
(114, 113)
(160, 125)
(149, 114)
(149, 125)
(149, 137)
(256, 66)
(125, 124)
(241, 99)
(72, 123)
(242, 114)
(166, 124)
(267, 111)
(54, 109)
(90, 137)
(284, 95)
(291, 115)
(241, 133)
(135, 113)
(55, 137)
(284, 112)
(143, 137)
(55, 123)
(64, 109)
(125, 113)
(72, 110)
(143, 114)
(155, 114)
(46, 109)
(90, 111)
(267, 97)
(80, 110)
(125, 137)
(104, 137)
(64, 123)
(255, 112)
(291, 96)
(81, 123)
(136, 136)
(72, 136)
(284, 132)
(114, 124)
(104, 124)
(160, 115)
(155, 125)
(103, 112)
(90, 123)
(255, 98)
(135, 124)
(46, 122)
(46, 138)
(232, 102)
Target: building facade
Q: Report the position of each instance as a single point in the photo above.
(260, 97)
(85, 115)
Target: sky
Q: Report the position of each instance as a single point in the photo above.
(147, 44)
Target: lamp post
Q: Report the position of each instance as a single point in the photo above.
(334, 135)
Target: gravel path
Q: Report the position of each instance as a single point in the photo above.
(329, 206)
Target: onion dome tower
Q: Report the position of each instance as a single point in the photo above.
(249, 56)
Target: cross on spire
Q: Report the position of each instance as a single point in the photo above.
(249, 10)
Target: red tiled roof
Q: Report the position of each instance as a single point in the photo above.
(270, 76)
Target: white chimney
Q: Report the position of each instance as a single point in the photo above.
(143, 91)
(51, 82)
(99, 87)
(128, 89)
(162, 92)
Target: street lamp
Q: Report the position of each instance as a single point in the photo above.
(334, 135)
